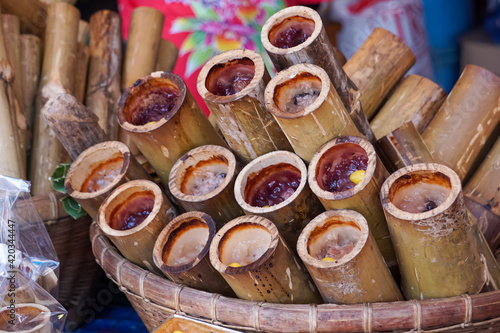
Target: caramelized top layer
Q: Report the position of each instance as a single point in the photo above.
(231, 77)
(102, 175)
(291, 32)
(133, 211)
(297, 93)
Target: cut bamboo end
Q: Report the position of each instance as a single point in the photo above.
(424, 205)
(416, 99)
(290, 212)
(255, 261)
(167, 56)
(308, 109)
(181, 252)
(354, 270)
(232, 85)
(98, 170)
(28, 318)
(329, 179)
(121, 218)
(203, 180)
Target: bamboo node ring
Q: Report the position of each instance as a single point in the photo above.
(367, 317)
(256, 315)
(313, 318)
(142, 278)
(468, 309)
(417, 315)
(119, 272)
(177, 298)
(213, 308)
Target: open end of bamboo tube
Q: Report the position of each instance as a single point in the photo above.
(151, 101)
(28, 318)
(342, 168)
(297, 91)
(97, 170)
(202, 173)
(290, 29)
(420, 191)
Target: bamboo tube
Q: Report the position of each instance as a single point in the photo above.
(482, 196)
(58, 75)
(416, 99)
(28, 318)
(98, 170)
(181, 253)
(76, 126)
(103, 86)
(203, 180)
(121, 218)
(83, 56)
(232, 85)
(404, 146)
(269, 270)
(33, 15)
(31, 57)
(313, 124)
(344, 261)
(181, 128)
(290, 212)
(339, 157)
(436, 250)
(465, 121)
(167, 56)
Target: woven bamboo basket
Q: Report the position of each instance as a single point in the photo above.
(155, 299)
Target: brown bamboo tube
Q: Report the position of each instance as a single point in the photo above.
(465, 121)
(125, 206)
(164, 140)
(239, 108)
(103, 86)
(98, 170)
(32, 14)
(28, 318)
(416, 99)
(362, 197)
(290, 215)
(58, 75)
(356, 272)
(436, 250)
(76, 126)
(313, 125)
(83, 57)
(167, 56)
(181, 253)
(31, 57)
(203, 180)
(269, 270)
(377, 66)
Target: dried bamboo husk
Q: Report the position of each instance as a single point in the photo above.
(183, 128)
(167, 56)
(137, 243)
(289, 216)
(323, 120)
(377, 66)
(33, 15)
(437, 253)
(103, 86)
(363, 197)
(31, 57)
(83, 57)
(242, 117)
(197, 272)
(58, 76)
(465, 121)
(416, 99)
(30, 318)
(275, 276)
(219, 203)
(124, 167)
(359, 276)
(73, 123)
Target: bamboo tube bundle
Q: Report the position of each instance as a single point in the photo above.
(98, 170)
(472, 109)
(274, 186)
(232, 85)
(133, 216)
(33, 15)
(344, 261)
(258, 265)
(83, 57)
(437, 253)
(346, 173)
(309, 111)
(29, 318)
(416, 99)
(103, 86)
(181, 253)
(31, 56)
(203, 180)
(164, 120)
(58, 75)
(167, 56)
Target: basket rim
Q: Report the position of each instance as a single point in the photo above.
(431, 315)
